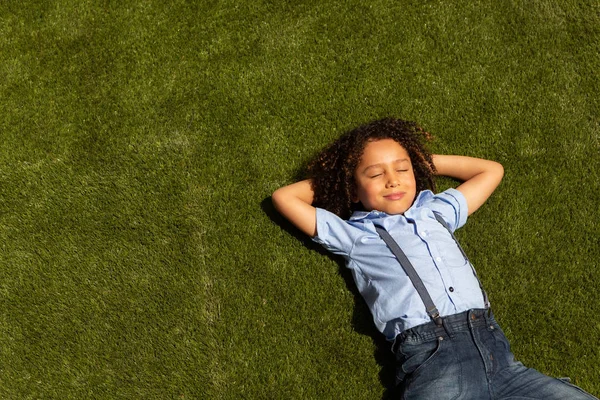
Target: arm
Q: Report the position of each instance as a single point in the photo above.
(294, 202)
(480, 177)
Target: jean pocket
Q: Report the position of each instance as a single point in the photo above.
(416, 356)
(432, 371)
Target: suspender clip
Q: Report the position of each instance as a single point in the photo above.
(434, 314)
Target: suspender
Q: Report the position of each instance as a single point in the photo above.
(430, 307)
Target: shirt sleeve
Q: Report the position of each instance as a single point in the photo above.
(452, 206)
(334, 233)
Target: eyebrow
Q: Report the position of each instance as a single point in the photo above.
(380, 164)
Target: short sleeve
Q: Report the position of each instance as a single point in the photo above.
(334, 233)
(452, 206)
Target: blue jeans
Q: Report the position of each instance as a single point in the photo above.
(470, 358)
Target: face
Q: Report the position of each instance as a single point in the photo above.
(384, 178)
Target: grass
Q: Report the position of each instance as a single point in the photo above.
(140, 256)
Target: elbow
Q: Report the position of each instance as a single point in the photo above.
(496, 172)
(278, 198)
(499, 170)
(275, 197)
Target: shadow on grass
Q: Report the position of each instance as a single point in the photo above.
(362, 321)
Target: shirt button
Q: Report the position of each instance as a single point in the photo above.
(438, 259)
(451, 289)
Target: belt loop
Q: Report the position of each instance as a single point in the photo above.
(445, 325)
(488, 315)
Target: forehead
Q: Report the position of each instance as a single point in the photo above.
(383, 151)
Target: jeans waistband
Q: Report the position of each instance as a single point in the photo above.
(451, 324)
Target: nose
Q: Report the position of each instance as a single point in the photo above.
(392, 182)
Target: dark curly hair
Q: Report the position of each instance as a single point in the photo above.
(332, 170)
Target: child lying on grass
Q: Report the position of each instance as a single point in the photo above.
(369, 199)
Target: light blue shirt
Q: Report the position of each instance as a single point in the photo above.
(389, 293)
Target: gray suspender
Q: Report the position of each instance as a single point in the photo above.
(432, 310)
(430, 307)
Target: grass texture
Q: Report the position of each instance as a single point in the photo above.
(140, 255)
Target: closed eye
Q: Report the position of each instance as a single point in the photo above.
(375, 176)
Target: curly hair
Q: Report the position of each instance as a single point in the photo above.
(332, 170)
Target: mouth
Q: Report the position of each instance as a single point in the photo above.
(395, 196)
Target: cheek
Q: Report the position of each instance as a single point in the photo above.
(360, 191)
(412, 181)
(368, 190)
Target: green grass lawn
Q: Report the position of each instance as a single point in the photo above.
(140, 255)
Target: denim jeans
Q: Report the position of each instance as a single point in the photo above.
(470, 358)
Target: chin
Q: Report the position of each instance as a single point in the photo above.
(394, 211)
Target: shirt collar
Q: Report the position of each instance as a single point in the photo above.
(423, 196)
(358, 215)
